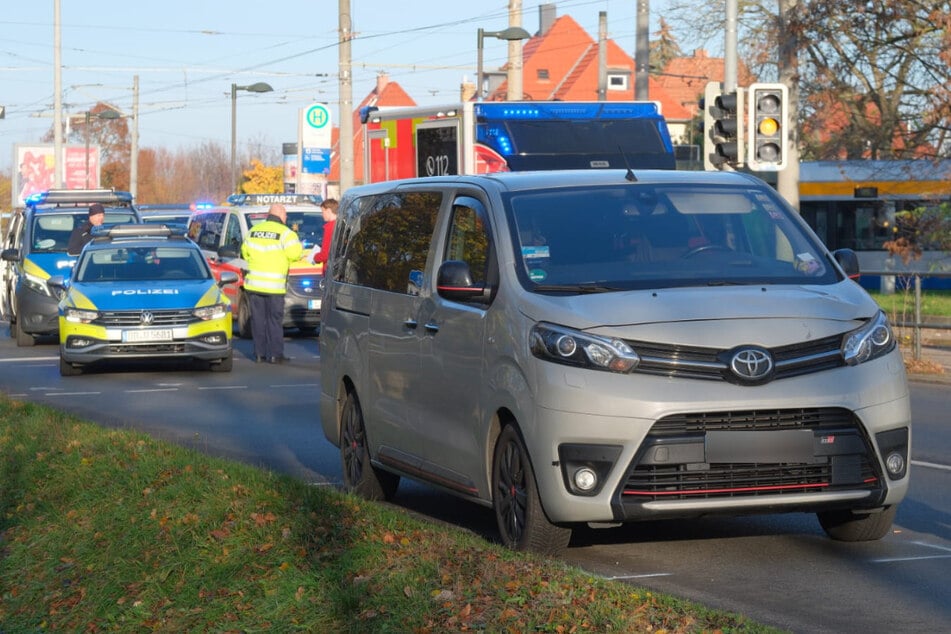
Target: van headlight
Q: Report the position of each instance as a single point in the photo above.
(871, 341)
(37, 284)
(216, 311)
(573, 347)
(80, 316)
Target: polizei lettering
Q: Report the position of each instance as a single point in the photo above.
(146, 291)
(266, 235)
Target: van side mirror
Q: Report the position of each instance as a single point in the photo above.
(849, 262)
(454, 282)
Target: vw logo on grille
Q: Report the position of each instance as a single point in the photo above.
(752, 364)
(147, 318)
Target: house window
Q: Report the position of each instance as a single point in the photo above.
(542, 74)
(617, 82)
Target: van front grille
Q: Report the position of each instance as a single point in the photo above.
(694, 362)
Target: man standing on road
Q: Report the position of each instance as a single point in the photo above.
(328, 210)
(269, 249)
(83, 233)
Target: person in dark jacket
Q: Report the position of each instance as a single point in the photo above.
(83, 233)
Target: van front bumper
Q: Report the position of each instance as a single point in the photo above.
(811, 443)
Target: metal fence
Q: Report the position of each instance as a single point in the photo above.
(917, 325)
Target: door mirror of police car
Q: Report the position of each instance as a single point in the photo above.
(57, 285)
(11, 255)
(228, 277)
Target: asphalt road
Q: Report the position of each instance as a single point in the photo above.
(778, 569)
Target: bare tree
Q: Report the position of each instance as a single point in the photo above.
(874, 75)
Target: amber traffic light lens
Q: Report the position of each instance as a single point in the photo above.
(768, 126)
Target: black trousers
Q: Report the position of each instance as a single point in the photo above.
(267, 324)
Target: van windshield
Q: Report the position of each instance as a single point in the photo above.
(654, 236)
(50, 232)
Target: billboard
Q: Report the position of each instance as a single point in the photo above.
(36, 170)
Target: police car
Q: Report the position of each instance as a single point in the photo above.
(34, 249)
(219, 231)
(142, 292)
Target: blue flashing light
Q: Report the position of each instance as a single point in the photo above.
(496, 137)
(496, 111)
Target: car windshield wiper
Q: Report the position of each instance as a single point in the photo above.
(575, 288)
(725, 283)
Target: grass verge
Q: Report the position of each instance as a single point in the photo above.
(900, 305)
(104, 530)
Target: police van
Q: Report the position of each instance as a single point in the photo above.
(34, 249)
(220, 230)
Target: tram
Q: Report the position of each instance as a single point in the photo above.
(853, 204)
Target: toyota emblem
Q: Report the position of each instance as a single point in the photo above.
(752, 364)
(147, 318)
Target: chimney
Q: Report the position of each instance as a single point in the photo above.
(467, 90)
(546, 17)
(382, 79)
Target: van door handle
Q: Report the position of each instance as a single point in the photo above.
(410, 324)
(432, 328)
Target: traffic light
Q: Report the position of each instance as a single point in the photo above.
(768, 127)
(722, 127)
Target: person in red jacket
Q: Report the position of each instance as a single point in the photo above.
(328, 209)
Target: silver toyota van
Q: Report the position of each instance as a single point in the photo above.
(600, 347)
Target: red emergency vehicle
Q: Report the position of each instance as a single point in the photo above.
(485, 137)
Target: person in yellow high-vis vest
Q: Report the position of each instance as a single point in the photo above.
(269, 249)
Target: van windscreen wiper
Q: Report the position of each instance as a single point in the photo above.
(575, 288)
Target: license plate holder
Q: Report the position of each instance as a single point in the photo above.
(779, 446)
(150, 335)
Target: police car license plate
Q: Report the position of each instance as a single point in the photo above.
(313, 304)
(145, 336)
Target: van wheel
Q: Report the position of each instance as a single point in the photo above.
(68, 369)
(244, 317)
(24, 339)
(359, 476)
(846, 526)
(522, 522)
(224, 365)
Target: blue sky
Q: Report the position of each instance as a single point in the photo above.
(187, 54)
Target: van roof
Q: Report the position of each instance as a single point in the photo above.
(519, 181)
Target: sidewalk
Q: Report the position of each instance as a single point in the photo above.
(935, 355)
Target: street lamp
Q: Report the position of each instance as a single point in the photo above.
(258, 87)
(103, 114)
(510, 34)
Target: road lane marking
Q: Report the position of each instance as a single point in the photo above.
(644, 576)
(891, 560)
(931, 465)
(946, 549)
(154, 389)
(295, 385)
(18, 359)
(73, 393)
(223, 387)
